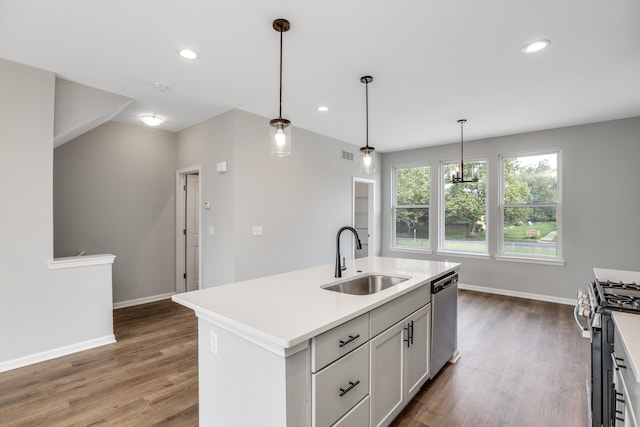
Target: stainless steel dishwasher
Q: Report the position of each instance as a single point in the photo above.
(444, 342)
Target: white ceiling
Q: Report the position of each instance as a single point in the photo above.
(433, 62)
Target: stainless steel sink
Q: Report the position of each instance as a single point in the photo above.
(366, 285)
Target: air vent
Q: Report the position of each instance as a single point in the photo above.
(347, 155)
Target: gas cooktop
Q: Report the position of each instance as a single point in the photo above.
(624, 296)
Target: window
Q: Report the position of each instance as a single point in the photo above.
(412, 196)
(464, 220)
(530, 206)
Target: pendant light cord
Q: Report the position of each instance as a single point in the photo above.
(461, 150)
(280, 115)
(367, 112)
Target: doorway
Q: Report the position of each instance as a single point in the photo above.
(363, 215)
(188, 229)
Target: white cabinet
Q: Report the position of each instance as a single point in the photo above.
(336, 342)
(626, 388)
(340, 386)
(417, 351)
(399, 365)
(386, 374)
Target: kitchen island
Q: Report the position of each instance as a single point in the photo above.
(265, 349)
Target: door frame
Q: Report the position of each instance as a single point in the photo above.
(181, 181)
(371, 185)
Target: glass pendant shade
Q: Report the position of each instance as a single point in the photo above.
(368, 160)
(280, 137)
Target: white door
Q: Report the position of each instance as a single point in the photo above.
(192, 227)
(417, 351)
(386, 374)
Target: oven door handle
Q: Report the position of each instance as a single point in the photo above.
(585, 332)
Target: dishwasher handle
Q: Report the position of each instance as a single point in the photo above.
(444, 283)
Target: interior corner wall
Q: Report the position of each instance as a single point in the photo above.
(26, 208)
(114, 192)
(600, 205)
(300, 201)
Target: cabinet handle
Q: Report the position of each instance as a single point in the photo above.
(409, 330)
(351, 338)
(344, 391)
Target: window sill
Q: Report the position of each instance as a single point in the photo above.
(463, 254)
(559, 262)
(411, 250)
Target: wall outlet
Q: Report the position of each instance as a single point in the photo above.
(211, 230)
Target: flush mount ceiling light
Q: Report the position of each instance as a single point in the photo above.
(280, 127)
(367, 164)
(322, 108)
(536, 46)
(151, 119)
(188, 54)
(457, 177)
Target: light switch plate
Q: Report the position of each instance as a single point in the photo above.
(256, 230)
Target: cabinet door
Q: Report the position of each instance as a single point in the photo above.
(417, 351)
(386, 374)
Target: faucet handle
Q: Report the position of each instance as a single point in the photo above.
(343, 267)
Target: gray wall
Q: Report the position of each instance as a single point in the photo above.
(300, 201)
(601, 205)
(114, 192)
(41, 310)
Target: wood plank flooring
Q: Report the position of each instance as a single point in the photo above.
(149, 377)
(522, 364)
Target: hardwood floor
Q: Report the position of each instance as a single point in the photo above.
(149, 377)
(522, 364)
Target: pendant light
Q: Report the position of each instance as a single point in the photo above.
(367, 164)
(280, 127)
(457, 177)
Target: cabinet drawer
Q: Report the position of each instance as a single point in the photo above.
(337, 342)
(339, 387)
(357, 417)
(392, 312)
(627, 381)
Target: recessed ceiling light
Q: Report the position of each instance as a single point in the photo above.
(322, 108)
(536, 46)
(151, 119)
(188, 54)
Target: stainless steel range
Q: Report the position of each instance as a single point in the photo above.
(603, 296)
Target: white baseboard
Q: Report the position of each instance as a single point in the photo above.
(538, 297)
(56, 352)
(138, 301)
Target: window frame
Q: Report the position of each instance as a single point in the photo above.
(442, 214)
(395, 206)
(538, 259)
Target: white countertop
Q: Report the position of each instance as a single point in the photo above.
(628, 325)
(285, 310)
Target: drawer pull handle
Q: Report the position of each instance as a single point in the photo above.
(351, 338)
(344, 391)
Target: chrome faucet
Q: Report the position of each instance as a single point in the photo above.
(339, 268)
